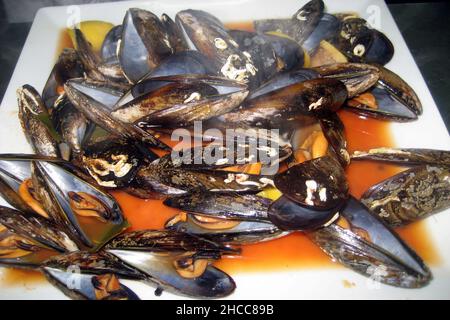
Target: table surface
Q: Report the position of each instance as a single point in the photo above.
(425, 27)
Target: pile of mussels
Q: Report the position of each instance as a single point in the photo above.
(97, 127)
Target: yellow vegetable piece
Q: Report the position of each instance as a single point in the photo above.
(271, 193)
(326, 53)
(94, 31)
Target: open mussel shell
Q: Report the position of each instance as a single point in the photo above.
(93, 263)
(381, 51)
(37, 229)
(357, 77)
(262, 52)
(32, 114)
(18, 251)
(319, 183)
(112, 163)
(326, 29)
(71, 124)
(99, 114)
(110, 44)
(282, 80)
(81, 286)
(166, 241)
(79, 205)
(208, 35)
(306, 19)
(68, 66)
(212, 283)
(184, 62)
(88, 57)
(214, 156)
(233, 206)
(311, 97)
(235, 232)
(410, 195)
(369, 247)
(175, 34)
(289, 53)
(107, 93)
(183, 100)
(273, 25)
(380, 104)
(399, 89)
(289, 215)
(354, 38)
(334, 131)
(144, 43)
(405, 156)
(177, 181)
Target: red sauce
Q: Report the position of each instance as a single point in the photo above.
(294, 251)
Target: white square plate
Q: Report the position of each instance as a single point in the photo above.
(39, 55)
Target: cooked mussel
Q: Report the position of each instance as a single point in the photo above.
(175, 261)
(183, 100)
(405, 156)
(318, 183)
(110, 45)
(410, 195)
(209, 36)
(32, 114)
(75, 205)
(144, 43)
(225, 230)
(306, 19)
(311, 97)
(112, 163)
(363, 243)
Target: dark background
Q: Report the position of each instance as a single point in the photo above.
(425, 25)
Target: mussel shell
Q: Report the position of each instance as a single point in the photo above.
(175, 35)
(71, 124)
(287, 50)
(405, 156)
(217, 155)
(354, 38)
(289, 215)
(410, 195)
(319, 183)
(306, 19)
(184, 62)
(174, 181)
(32, 112)
(399, 89)
(37, 229)
(245, 232)
(93, 263)
(57, 183)
(162, 98)
(366, 258)
(112, 163)
(88, 57)
(311, 97)
(357, 77)
(100, 115)
(234, 206)
(388, 107)
(282, 80)
(144, 43)
(81, 286)
(261, 51)
(334, 131)
(326, 29)
(67, 67)
(166, 241)
(360, 218)
(213, 283)
(110, 44)
(381, 51)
